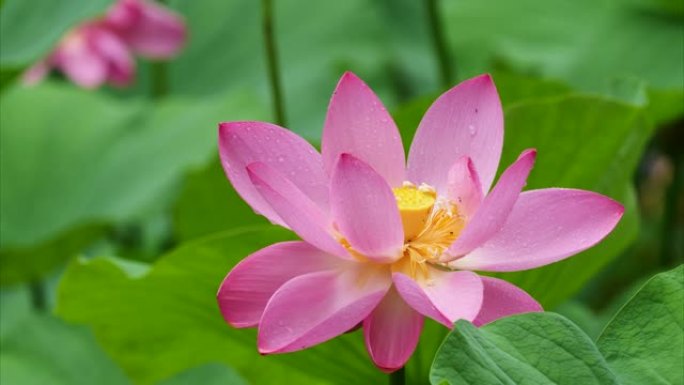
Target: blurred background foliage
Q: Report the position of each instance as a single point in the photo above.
(117, 223)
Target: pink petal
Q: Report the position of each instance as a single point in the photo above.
(446, 296)
(494, 210)
(36, 73)
(463, 186)
(245, 291)
(546, 226)
(365, 210)
(121, 67)
(151, 30)
(242, 143)
(79, 61)
(357, 123)
(502, 299)
(295, 208)
(316, 307)
(467, 120)
(392, 332)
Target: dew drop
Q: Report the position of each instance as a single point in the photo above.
(472, 130)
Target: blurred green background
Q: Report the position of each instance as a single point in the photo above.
(117, 224)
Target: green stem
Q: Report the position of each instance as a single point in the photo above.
(669, 138)
(159, 75)
(160, 86)
(272, 62)
(670, 253)
(398, 377)
(437, 32)
(37, 289)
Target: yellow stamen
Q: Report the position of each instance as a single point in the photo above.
(442, 228)
(430, 227)
(415, 206)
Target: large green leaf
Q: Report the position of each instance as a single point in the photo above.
(537, 348)
(644, 343)
(208, 204)
(212, 374)
(31, 263)
(44, 350)
(587, 43)
(28, 29)
(40, 349)
(418, 367)
(159, 322)
(591, 320)
(72, 158)
(672, 8)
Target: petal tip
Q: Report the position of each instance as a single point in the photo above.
(532, 152)
(346, 159)
(262, 345)
(265, 351)
(484, 78)
(617, 208)
(225, 128)
(388, 370)
(348, 76)
(528, 156)
(348, 82)
(484, 81)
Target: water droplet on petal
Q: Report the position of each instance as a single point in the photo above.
(472, 130)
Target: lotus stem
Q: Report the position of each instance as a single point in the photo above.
(272, 62)
(398, 377)
(439, 42)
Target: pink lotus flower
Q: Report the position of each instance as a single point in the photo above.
(386, 245)
(101, 51)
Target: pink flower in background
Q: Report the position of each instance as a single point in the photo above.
(101, 51)
(385, 244)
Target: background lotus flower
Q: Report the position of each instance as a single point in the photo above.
(384, 244)
(101, 51)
